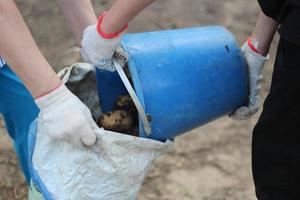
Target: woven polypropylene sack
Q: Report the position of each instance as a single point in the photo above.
(113, 169)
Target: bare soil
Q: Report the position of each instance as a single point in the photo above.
(209, 163)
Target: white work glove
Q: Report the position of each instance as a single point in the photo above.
(64, 117)
(255, 64)
(98, 47)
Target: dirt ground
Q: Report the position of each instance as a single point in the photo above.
(209, 163)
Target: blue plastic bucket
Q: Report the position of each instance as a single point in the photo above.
(110, 87)
(185, 78)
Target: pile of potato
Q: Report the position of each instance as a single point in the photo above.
(123, 118)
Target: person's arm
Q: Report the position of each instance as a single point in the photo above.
(20, 51)
(121, 13)
(56, 103)
(255, 51)
(80, 14)
(99, 38)
(264, 32)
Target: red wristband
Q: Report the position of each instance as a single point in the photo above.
(251, 45)
(44, 94)
(104, 35)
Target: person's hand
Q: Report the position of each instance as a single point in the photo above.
(98, 47)
(255, 63)
(64, 117)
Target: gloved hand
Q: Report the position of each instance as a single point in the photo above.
(98, 47)
(255, 63)
(64, 117)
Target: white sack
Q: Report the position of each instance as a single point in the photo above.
(113, 169)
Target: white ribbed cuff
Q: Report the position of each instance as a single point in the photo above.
(57, 95)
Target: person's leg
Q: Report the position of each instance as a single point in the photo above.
(276, 137)
(19, 110)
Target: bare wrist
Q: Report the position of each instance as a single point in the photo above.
(264, 32)
(111, 26)
(48, 88)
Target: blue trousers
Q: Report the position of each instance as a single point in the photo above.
(18, 109)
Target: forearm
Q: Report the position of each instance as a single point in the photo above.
(79, 14)
(20, 51)
(264, 32)
(121, 13)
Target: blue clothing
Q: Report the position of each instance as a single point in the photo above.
(18, 109)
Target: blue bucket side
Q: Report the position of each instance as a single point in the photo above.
(162, 63)
(110, 87)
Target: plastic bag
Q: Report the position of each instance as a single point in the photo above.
(113, 169)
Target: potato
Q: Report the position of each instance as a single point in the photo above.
(124, 102)
(119, 121)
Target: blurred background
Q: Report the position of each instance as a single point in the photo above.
(209, 163)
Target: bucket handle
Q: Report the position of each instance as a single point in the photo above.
(135, 99)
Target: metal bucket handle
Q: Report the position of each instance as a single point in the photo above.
(135, 99)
